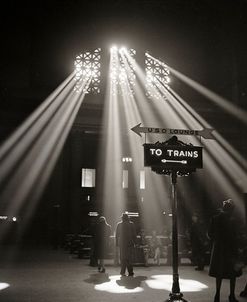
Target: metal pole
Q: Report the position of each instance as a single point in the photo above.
(175, 295)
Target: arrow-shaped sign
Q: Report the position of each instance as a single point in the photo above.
(184, 162)
(205, 133)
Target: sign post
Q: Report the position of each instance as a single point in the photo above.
(173, 158)
(175, 294)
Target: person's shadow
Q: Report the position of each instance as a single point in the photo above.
(131, 282)
(98, 278)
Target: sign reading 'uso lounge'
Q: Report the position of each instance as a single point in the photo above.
(173, 157)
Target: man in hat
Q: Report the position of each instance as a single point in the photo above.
(125, 240)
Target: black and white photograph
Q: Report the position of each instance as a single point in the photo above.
(123, 151)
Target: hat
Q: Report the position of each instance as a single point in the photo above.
(102, 218)
(125, 217)
(228, 205)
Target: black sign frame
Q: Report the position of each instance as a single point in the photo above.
(173, 157)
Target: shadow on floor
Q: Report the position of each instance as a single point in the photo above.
(98, 278)
(131, 282)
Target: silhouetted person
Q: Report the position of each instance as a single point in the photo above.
(102, 235)
(144, 246)
(91, 231)
(198, 240)
(155, 244)
(223, 233)
(243, 293)
(125, 240)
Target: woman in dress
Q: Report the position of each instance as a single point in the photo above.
(224, 254)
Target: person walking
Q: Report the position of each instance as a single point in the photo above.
(125, 241)
(223, 234)
(102, 235)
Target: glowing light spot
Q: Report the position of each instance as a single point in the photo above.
(93, 214)
(167, 79)
(118, 285)
(3, 217)
(3, 285)
(165, 282)
(113, 48)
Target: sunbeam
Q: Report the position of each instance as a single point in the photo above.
(29, 155)
(238, 113)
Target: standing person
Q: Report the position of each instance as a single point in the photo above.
(223, 233)
(243, 293)
(155, 244)
(198, 240)
(92, 231)
(144, 246)
(102, 235)
(125, 240)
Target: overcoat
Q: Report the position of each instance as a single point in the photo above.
(101, 239)
(224, 255)
(125, 237)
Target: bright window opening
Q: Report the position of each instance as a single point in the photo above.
(142, 179)
(88, 178)
(125, 179)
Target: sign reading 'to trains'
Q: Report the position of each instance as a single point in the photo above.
(173, 157)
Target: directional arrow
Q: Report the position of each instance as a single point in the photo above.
(205, 133)
(184, 162)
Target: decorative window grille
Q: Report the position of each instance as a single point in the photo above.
(157, 78)
(87, 67)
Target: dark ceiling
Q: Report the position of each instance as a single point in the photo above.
(205, 40)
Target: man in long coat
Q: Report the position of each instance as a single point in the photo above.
(125, 240)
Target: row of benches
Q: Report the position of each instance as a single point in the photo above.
(82, 245)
